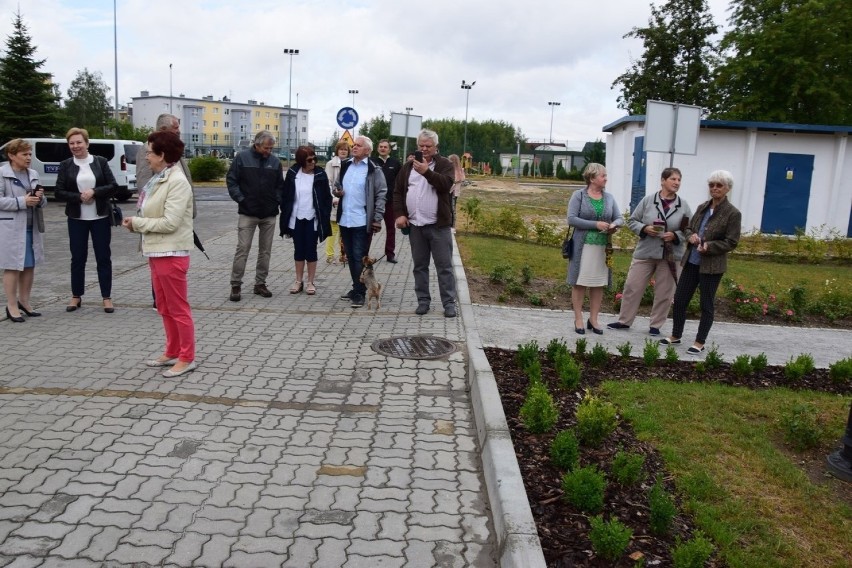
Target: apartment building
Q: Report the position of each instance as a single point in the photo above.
(222, 126)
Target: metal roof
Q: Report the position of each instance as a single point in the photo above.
(745, 125)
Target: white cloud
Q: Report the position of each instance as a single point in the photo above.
(395, 53)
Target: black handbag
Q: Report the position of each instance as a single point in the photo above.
(568, 246)
(115, 214)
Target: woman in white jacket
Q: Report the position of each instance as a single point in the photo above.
(165, 221)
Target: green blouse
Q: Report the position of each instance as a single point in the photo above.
(595, 237)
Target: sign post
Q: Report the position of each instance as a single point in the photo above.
(407, 126)
(672, 128)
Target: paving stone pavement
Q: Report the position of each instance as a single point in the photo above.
(294, 443)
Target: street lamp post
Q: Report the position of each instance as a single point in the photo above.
(115, 48)
(291, 53)
(467, 87)
(170, 89)
(553, 105)
(353, 92)
(405, 138)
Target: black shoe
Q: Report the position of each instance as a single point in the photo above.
(579, 331)
(654, 331)
(619, 325)
(348, 295)
(74, 305)
(108, 309)
(262, 290)
(422, 309)
(235, 294)
(32, 314)
(667, 341)
(450, 311)
(594, 329)
(19, 319)
(358, 301)
(392, 260)
(695, 350)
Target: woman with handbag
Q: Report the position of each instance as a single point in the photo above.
(659, 219)
(87, 185)
(595, 216)
(21, 227)
(164, 219)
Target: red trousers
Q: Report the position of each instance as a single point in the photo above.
(168, 274)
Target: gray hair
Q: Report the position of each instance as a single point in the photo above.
(592, 170)
(722, 176)
(262, 137)
(366, 141)
(167, 121)
(430, 134)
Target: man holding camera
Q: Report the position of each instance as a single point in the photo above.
(362, 191)
(423, 200)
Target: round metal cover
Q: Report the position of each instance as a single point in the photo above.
(414, 347)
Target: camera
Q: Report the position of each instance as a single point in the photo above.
(418, 155)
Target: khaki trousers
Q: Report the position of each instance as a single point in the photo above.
(638, 276)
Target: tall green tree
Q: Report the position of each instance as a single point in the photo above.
(678, 57)
(124, 130)
(787, 61)
(28, 102)
(87, 105)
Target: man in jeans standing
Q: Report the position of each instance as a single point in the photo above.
(254, 182)
(362, 190)
(423, 202)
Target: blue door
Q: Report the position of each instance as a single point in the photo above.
(788, 190)
(637, 182)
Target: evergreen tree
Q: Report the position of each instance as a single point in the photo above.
(787, 61)
(678, 60)
(87, 105)
(28, 103)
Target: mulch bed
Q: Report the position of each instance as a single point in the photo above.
(563, 530)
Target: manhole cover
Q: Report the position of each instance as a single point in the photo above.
(414, 347)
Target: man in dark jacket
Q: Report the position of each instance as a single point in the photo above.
(255, 181)
(390, 167)
(423, 202)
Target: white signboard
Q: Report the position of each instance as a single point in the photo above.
(672, 128)
(408, 125)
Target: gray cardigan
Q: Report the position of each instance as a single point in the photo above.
(646, 212)
(582, 216)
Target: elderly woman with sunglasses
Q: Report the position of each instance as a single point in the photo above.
(713, 232)
(305, 214)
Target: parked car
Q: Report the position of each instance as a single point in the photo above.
(49, 152)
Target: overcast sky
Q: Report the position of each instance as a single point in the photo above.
(396, 53)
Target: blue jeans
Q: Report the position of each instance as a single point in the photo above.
(356, 242)
(78, 240)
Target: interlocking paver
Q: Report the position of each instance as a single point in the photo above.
(319, 452)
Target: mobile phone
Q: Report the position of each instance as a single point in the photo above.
(418, 155)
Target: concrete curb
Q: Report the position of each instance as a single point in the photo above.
(517, 538)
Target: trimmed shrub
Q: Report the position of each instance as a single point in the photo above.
(693, 553)
(627, 468)
(568, 370)
(584, 488)
(207, 168)
(662, 510)
(565, 450)
(651, 352)
(609, 539)
(539, 412)
(841, 371)
(797, 368)
(599, 356)
(596, 419)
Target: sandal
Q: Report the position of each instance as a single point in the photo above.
(311, 290)
(297, 287)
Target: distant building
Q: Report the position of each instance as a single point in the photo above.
(223, 125)
(532, 154)
(786, 176)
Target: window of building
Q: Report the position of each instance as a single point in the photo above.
(215, 110)
(257, 113)
(257, 126)
(215, 124)
(275, 115)
(195, 112)
(204, 123)
(227, 111)
(195, 138)
(227, 124)
(275, 127)
(304, 129)
(266, 127)
(215, 138)
(227, 138)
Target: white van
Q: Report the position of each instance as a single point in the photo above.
(121, 155)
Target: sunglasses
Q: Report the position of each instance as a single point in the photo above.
(715, 184)
(312, 159)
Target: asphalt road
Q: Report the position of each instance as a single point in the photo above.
(217, 215)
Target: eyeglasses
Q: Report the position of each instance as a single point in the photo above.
(312, 159)
(714, 185)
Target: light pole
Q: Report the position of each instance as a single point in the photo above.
(467, 88)
(553, 105)
(170, 89)
(115, 47)
(353, 92)
(291, 53)
(405, 138)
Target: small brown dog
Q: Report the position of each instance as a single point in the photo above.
(368, 279)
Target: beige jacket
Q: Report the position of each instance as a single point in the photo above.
(167, 222)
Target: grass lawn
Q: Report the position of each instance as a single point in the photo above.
(723, 445)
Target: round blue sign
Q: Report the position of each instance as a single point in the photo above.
(347, 118)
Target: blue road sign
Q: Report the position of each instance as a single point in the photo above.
(347, 118)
